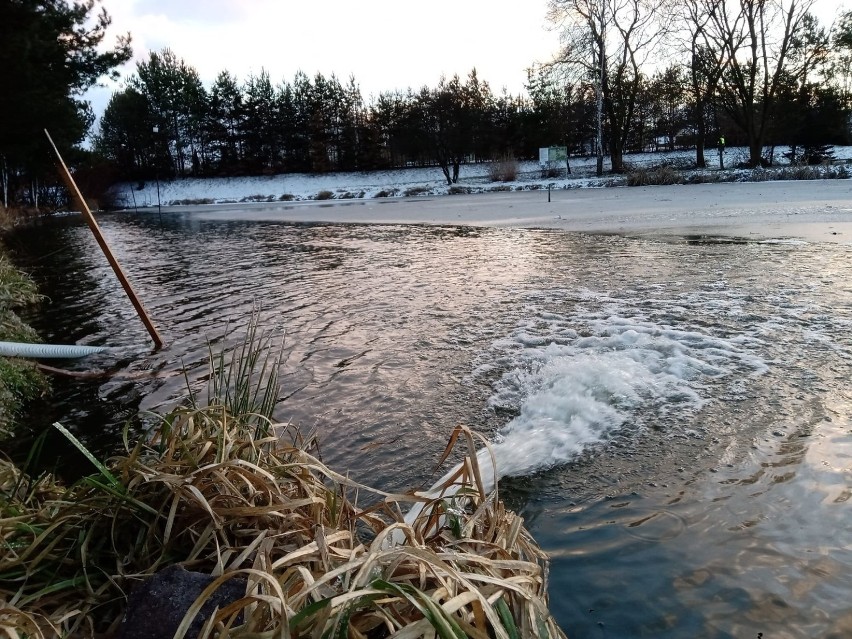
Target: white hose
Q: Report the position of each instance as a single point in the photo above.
(47, 351)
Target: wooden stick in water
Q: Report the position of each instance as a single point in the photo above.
(77, 197)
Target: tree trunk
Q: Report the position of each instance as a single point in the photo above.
(5, 179)
(616, 158)
(755, 150)
(700, 160)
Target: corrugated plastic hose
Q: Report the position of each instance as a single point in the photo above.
(47, 351)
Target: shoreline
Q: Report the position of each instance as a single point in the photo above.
(807, 210)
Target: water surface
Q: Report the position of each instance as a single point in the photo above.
(674, 414)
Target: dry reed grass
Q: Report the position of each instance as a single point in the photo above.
(503, 169)
(236, 495)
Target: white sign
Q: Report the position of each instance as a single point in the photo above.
(552, 155)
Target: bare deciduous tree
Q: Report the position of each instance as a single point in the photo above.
(704, 64)
(752, 41)
(612, 40)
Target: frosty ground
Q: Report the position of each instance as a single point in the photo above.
(810, 210)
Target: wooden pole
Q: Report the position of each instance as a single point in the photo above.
(77, 197)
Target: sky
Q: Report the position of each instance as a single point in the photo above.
(385, 44)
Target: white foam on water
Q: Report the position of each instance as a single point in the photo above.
(576, 380)
(785, 241)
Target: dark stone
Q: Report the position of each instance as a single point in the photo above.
(156, 607)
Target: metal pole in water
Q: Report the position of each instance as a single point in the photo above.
(96, 231)
(548, 194)
(156, 131)
(133, 195)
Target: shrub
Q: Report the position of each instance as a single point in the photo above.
(800, 172)
(817, 154)
(703, 178)
(661, 175)
(760, 175)
(324, 195)
(286, 197)
(20, 381)
(503, 170)
(192, 201)
(387, 193)
(639, 177)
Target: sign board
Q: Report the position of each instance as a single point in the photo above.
(553, 155)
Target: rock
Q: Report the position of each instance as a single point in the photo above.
(156, 607)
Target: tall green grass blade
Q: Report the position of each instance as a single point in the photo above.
(121, 493)
(307, 612)
(247, 384)
(507, 619)
(444, 624)
(56, 586)
(88, 455)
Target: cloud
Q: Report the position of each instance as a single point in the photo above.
(194, 11)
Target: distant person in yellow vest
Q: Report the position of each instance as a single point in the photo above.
(722, 152)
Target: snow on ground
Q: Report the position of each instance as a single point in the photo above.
(473, 178)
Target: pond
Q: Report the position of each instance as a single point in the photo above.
(674, 414)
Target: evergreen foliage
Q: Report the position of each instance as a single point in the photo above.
(316, 124)
(49, 55)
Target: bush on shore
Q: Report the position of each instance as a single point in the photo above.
(20, 380)
(503, 170)
(654, 176)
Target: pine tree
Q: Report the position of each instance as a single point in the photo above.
(49, 55)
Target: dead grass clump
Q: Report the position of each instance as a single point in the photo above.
(192, 201)
(234, 495)
(662, 175)
(801, 172)
(455, 189)
(392, 192)
(839, 173)
(416, 190)
(503, 170)
(286, 197)
(324, 195)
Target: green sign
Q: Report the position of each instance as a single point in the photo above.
(553, 155)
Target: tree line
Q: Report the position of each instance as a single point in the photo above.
(632, 76)
(761, 73)
(167, 122)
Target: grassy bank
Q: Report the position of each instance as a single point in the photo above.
(221, 490)
(20, 381)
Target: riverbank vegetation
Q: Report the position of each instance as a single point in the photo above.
(221, 490)
(20, 381)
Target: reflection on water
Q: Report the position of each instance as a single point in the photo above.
(675, 414)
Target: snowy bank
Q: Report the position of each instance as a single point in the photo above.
(420, 181)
